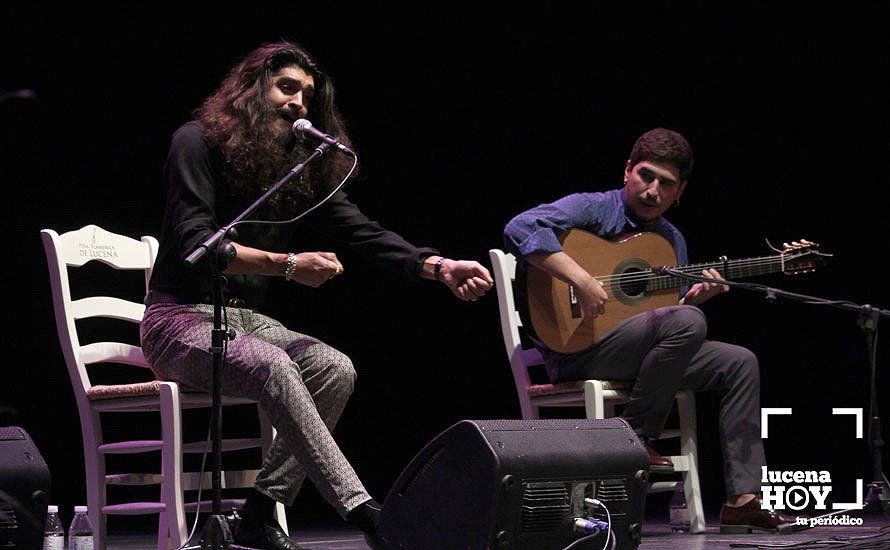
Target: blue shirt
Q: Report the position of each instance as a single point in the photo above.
(607, 215)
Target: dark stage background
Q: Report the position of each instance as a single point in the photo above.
(463, 119)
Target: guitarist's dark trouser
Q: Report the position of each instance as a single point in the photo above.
(665, 350)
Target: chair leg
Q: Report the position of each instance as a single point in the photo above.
(594, 403)
(94, 464)
(163, 532)
(689, 448)
(171, 468)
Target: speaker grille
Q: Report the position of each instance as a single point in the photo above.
(422, 471)
(545, 506)
(8, 526)
(612, 490)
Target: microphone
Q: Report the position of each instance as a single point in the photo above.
(303, 127)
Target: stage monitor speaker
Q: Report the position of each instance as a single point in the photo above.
(518, 484)
(24, 490)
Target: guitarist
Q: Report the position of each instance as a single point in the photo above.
(663, 350)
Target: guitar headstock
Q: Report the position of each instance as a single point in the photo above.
(801, 256)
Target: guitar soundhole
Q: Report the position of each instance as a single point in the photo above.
(633, 282)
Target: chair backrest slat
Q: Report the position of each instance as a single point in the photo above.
(104, 306)
(112, 352)
(91, 242)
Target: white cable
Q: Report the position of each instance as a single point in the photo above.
(200, 487)
(609, 533)
(321, 202)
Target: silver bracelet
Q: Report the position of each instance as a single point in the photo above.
(291, 269)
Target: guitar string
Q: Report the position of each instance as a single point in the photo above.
(752, 262)
(735, 264)
(649, 275)
(657, 281)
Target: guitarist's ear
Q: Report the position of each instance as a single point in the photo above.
(680, 191)
(627, 169)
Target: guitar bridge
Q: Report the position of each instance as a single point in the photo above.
(574, 305)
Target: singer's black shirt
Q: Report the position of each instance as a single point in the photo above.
(195, 210)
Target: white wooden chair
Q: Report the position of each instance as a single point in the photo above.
(74, 249)
(598, 397)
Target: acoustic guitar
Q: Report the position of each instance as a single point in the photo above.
(627, 268)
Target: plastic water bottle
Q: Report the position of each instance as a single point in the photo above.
(54, 533)
(679, 514)
(80, 535)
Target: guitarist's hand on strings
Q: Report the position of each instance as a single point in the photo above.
(592, 298)
(701, 292)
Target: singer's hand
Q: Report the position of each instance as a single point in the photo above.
(701, 292)
(316, 268)
(468, 280)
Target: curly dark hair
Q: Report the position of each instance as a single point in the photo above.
(239, 118)
(662, 145)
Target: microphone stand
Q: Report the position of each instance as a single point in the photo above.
(879, 489)
(216, 534)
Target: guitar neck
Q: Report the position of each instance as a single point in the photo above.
(730, 269)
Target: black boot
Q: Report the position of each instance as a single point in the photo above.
(366, 516)
(258, 527)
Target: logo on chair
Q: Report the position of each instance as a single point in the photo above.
(94, 250)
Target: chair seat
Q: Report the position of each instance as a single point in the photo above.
(540, 390)
(139, 389)
(136, 389)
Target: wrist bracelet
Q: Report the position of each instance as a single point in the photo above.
(438, 268)
(291, 268)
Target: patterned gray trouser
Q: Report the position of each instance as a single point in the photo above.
(664, 350)
(301, 383)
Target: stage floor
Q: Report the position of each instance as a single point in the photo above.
(656, 536)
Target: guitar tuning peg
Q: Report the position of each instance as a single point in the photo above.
(786, 245)
(796, 244)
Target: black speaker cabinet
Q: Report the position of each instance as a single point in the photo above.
(517, 484)
(24, 482)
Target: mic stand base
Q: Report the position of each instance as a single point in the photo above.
(216, 534)
(878, 497)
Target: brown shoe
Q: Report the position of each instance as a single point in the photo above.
(750, 517)
(658, 463)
